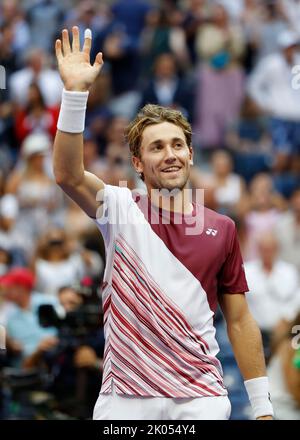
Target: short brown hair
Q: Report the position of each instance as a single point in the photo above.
(152, 114)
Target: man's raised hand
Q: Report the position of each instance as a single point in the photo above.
(74, 64)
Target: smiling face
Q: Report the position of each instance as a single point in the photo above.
(165, 157)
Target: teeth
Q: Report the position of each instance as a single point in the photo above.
(172, 169)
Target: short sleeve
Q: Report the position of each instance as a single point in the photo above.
(232, 278)
(114, 212)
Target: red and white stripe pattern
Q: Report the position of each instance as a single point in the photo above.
(151, 349)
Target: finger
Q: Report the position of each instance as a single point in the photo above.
(87, 41)
(75, 42)
(58, 50)
(98, 60)
(66, 42)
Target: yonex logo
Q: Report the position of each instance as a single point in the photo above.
(211, 232)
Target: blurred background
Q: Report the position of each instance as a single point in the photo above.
(228, 66)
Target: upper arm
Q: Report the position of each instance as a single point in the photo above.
(87, 194)
(231, 277)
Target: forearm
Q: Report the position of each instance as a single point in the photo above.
(68, 158)
(246, 341)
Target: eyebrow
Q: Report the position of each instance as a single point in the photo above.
(160, 141)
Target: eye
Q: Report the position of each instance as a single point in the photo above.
(178, 145)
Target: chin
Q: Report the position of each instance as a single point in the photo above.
(175, 184)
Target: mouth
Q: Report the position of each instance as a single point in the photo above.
(173, 169)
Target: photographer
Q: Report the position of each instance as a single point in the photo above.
(76, 360)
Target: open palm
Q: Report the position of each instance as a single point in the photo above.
(74, 64)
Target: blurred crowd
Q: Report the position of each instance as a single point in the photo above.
(231, 67)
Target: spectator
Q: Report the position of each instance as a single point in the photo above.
(288, 232)
(45, 17)
(98, 111)
(123, 61)
(164, 34)
(260, 211)
(116, 162)
(89, 14)
(167, 88)
(133, 14)
(12, 238)
(270, 86)
(77, 365)
(35, 117)
(220, 77)
(56, 264)
(69, 298)
(38, 196)
(249, 140)
(251, 19)
(274, 287)
(273, 22)
(6, 308)
(194, 17)
(11, 12)
(35, 70)
(27, 339)
(5, 261)
(8, 57)
(227, 187)
(291, 10)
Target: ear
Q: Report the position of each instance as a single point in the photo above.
(191, 155)
(137, 164)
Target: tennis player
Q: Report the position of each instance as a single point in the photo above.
(169, 262)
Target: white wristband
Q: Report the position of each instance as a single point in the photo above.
(72, 111)
(258, 393)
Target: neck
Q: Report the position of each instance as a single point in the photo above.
(179, 201)
(268, 266)
(32, 171)
(25, 302)
(55, 256)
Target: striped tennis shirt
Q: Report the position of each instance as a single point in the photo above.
(160, 293)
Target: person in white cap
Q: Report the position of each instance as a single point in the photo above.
(36, 192)
(270, 85)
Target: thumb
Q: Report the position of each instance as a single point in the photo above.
(98, 61)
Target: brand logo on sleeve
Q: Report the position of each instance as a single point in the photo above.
(212, 232)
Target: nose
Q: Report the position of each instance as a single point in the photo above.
(170, 156)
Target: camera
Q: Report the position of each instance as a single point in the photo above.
(75, 327)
